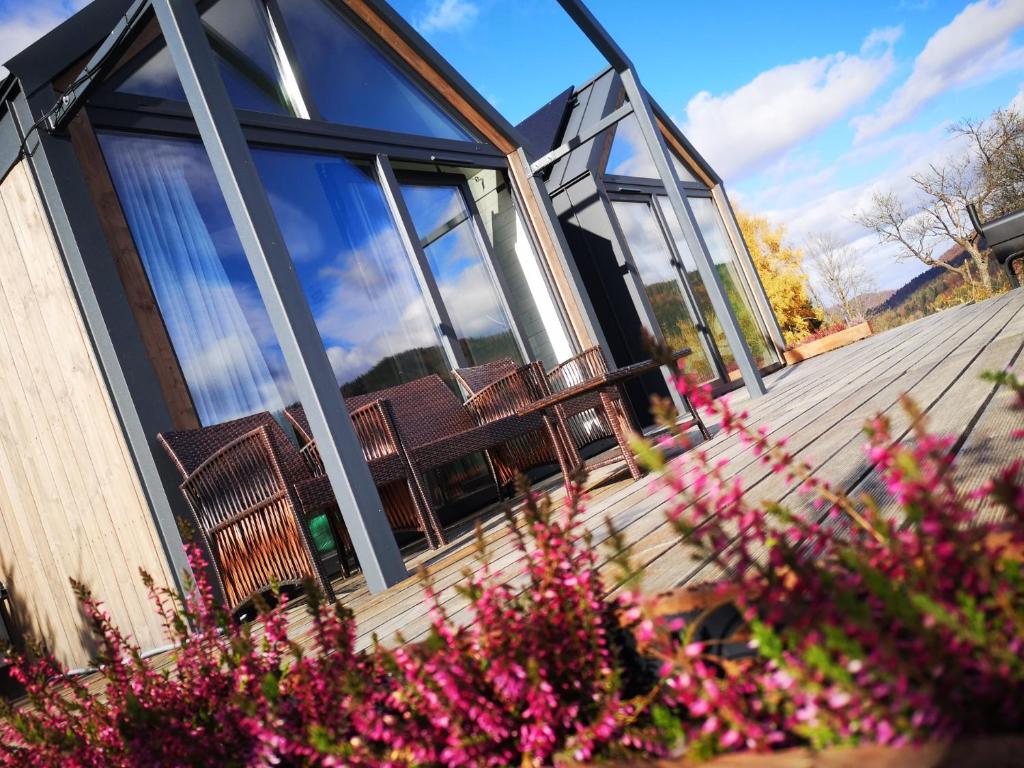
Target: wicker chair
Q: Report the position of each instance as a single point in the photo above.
(587, 365)
(385, 455)
(240, 481)
(496, 390)
(585, 419)
(436, 428)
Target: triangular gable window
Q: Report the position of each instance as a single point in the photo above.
(241, 39)
(349, 79)
(629, 155)
(354, 83)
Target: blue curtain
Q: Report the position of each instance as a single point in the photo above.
(162, 185)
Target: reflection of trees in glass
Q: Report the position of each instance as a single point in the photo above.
(749, 327)
(677, 327)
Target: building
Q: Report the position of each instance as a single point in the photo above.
(214, 211)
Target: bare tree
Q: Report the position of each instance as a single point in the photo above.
(989, 174)
(841, 276)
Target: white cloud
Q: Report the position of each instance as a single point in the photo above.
(815, 203)
(444, 15)
(26, 23)
(749, 128)
(1017, 103)
(974, 46)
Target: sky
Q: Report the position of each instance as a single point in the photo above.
(804, 108)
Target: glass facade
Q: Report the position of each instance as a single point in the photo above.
(736, 286)
(629, 155)
(199, 274)
(351, 81)
(361, 287)
(240, 35)
(370, 307)
(451, 242)
(662, 283)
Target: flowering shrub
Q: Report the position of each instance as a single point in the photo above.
(862, 627)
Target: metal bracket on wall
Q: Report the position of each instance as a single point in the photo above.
(95, 70)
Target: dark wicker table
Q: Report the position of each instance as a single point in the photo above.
(548, 407)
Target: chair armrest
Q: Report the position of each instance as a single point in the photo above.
(585, 366)
(508, 394)
(238, 479)
(376, 429)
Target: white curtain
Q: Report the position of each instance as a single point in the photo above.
(220, 357)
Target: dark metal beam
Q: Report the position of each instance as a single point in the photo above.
(595, 130)
(282, 293)
(659, 151)
(95, 70)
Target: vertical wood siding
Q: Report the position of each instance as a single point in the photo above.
(71, 505)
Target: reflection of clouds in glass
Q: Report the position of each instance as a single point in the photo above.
(305, 243)
(373, 308)
(431, 206)
(645, 241)
(477, 312)
(629, 155)
(215, 370)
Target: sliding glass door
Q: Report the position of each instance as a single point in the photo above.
(455, 251)
(665, 291)
(677, 299)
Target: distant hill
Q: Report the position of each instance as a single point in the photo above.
(931, 278)
(934, 289)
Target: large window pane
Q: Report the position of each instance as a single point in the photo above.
(457, 260)
(529, 296)
(700, 291)
(356, 274)
(660, 279)
(200, 277)
(241, 39)
(629, 155)
(724, 256)
(353, 83)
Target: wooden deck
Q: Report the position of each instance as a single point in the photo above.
(820, 405)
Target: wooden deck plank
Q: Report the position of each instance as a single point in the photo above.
(814, 436)
(647, 514)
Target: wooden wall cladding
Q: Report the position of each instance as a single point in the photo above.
(71, 505)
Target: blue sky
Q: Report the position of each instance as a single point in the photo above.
(804, 108)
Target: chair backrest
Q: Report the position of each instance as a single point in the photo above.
(425, 409)
(476, 377)
(189, 448)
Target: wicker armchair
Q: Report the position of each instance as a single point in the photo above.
(239, 479)
(597, 415)
(437, 428)
(496, 391)
(578, 414)
(385, 455)
(583, 420)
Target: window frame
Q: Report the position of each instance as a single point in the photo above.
(107, 95)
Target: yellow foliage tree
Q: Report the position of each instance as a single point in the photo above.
(782, 274)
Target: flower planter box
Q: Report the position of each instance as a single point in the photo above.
(992, 752)
(828, 343)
